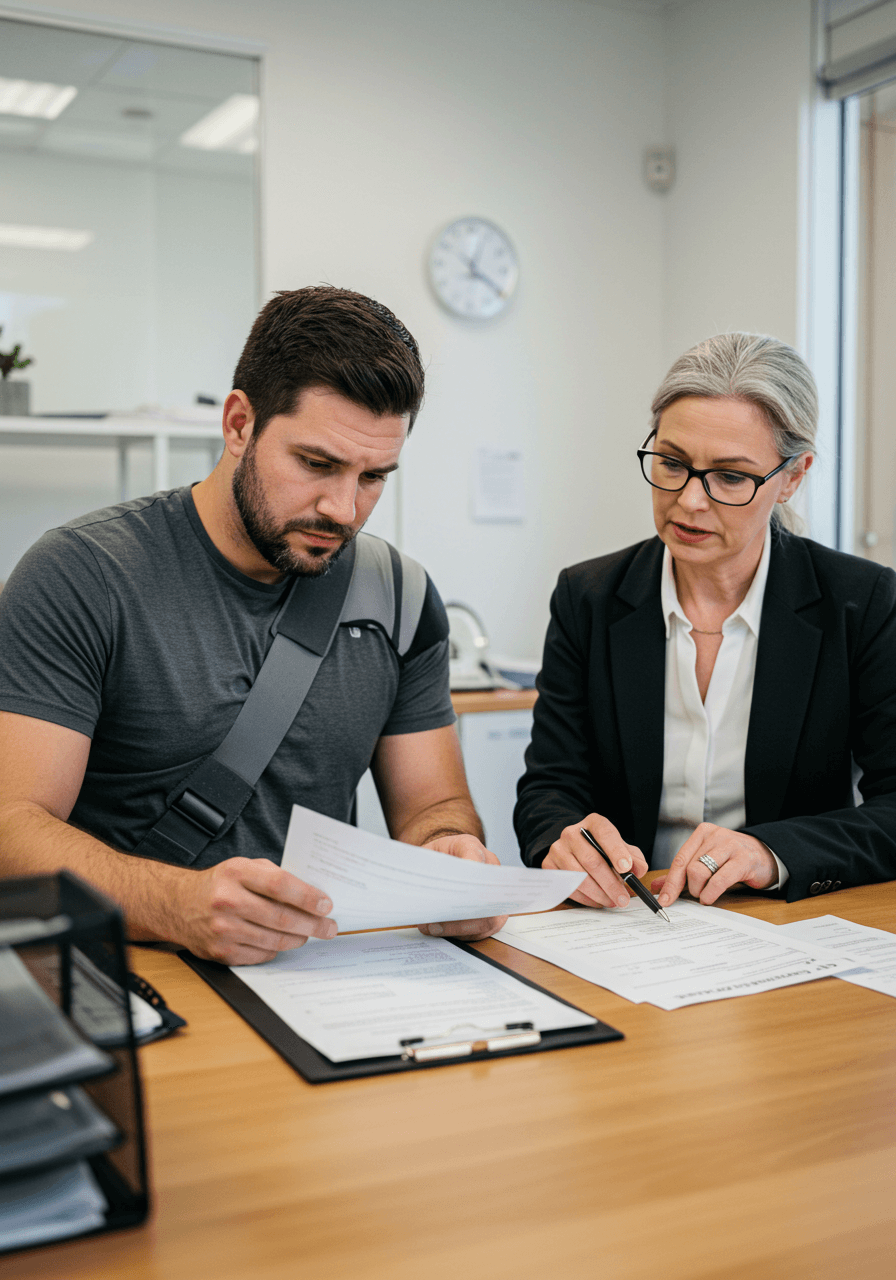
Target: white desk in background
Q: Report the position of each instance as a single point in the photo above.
(121, 432)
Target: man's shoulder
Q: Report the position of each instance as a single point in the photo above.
(416, 615)
(124, 519)
(115, 548)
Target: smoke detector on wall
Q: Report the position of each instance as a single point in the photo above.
(659, 168)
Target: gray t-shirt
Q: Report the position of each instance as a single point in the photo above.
(129, 626)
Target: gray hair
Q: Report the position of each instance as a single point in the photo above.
(757, 369)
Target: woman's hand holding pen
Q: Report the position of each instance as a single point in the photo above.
(571, 853)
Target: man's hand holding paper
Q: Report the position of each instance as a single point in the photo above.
(247, 910)
(468, 847)
(376, 883)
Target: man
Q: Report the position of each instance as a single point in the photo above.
(130, 637)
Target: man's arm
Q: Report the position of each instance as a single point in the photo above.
(423, 789)
(242, 911)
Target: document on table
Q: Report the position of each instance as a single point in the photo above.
(871, 951)
(39, 1045)
(376, 883)
(705, 954)
(360, 997)
(50, 1205)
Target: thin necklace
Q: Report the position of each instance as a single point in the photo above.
(706, 633)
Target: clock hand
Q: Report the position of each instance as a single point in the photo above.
(468, 262)
(474, 261)
(477, 275)
(473, 270)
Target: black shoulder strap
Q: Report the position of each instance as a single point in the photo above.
(364, 583)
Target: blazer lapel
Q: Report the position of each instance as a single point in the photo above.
(789, 646)
(638, 675)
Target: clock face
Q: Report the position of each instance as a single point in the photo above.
(473, 268)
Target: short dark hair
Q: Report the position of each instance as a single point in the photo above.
(322, 336)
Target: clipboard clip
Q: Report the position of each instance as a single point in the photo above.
(513, 1035)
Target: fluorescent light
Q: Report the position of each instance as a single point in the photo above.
(29, 98)
(230, 127)
(43, 237)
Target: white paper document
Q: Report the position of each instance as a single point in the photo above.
(376, 883)
(50, 1205)
(705, 954)
(360, 997)
(872, 952)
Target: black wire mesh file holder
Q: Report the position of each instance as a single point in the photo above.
(52, 922)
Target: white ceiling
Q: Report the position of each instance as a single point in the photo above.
(134, 98)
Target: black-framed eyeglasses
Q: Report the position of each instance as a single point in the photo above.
(730, 488)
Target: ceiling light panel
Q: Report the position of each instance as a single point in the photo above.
(20, 237)
(232, 126)
(31, 98)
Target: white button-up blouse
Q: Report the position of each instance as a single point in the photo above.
(705, 742)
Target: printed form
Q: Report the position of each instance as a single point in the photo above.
(705, 954)
(376, 883)
(360, 997)
(871, 951)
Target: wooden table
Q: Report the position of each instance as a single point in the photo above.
(748, 1139)
(466, 701)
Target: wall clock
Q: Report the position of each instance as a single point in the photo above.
(473, 268)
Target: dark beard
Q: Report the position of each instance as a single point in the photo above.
(269, 539)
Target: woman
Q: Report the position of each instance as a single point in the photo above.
(704, 693)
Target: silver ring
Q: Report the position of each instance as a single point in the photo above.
(709, 862)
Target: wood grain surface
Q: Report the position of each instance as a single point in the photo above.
(746, 1139)
(469, 700)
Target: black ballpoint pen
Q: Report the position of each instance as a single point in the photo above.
(629, 878)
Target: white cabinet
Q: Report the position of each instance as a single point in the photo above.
(493, 743)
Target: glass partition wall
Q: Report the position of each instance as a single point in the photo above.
(875, 500)
(128, 253)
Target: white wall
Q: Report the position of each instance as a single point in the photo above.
(751, 237)
(385, 119)
(739, 85)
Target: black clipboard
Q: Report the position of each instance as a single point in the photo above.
(317, 1069)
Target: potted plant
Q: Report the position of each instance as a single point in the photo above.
(14, 396)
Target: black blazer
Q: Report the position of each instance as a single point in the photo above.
(824, 695)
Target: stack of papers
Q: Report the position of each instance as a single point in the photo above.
(39, 1046)
(49, 1128)
(704, 954)
(50, 1206)
(43, 1122)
